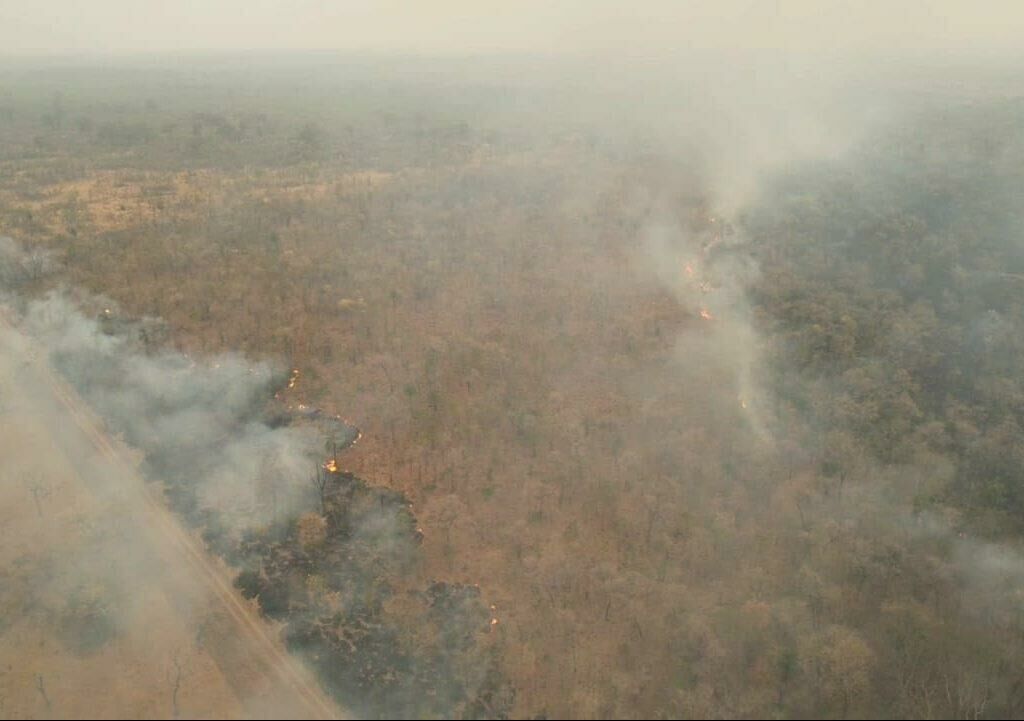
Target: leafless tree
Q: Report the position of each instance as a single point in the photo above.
(175, 685)
(39, 491)
(320, 479)
(42, 692)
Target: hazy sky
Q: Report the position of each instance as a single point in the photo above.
(460, 26)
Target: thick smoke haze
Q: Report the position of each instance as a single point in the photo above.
(461, 26)
(689, 331)
(199, 418)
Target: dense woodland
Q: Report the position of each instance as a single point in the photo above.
(808, 504)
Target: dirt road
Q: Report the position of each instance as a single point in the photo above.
(108, 607)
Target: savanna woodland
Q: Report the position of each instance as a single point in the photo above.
(628, 445)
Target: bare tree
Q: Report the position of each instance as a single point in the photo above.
(175, 684)
(39, 491)
(42, 692)
(320, 479)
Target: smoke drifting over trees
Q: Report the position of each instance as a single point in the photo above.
(196, 422)
(685, 391)
(326, 563)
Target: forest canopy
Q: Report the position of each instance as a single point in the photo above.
(652, 447)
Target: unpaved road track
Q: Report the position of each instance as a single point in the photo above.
(108, 607)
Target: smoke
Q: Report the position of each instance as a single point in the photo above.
(19, 266)
(85, 572)
(770, 141)
(737, 125)
(337, 563)
(196, 421)
(771, 446)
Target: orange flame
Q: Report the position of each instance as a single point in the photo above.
(706, 314)
(331, 466)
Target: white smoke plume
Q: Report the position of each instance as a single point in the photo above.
(196, 421)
